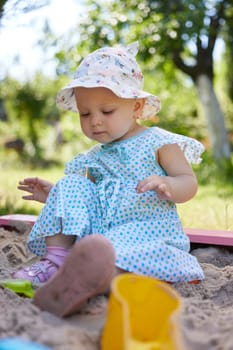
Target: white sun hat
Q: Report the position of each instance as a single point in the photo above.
(114, 68)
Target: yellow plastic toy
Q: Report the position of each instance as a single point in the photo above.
(142, 315)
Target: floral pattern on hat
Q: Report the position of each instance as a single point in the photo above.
(114, 68)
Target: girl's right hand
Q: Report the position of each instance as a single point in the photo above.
(38, 188)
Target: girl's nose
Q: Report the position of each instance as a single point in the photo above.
(96, 120)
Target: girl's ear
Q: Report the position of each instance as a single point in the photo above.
(138, 107)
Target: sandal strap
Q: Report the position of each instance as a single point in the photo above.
(40, 272)
(55, 259)
(44, 269)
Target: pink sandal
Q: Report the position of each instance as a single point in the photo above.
(44, 269)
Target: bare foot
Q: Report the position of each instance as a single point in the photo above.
(87, 271)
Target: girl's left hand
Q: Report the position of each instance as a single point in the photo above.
(157, 184)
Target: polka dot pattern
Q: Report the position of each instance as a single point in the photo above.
(146, 232)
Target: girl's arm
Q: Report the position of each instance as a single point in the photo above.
(180, 184)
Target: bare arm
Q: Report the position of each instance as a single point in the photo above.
(38, 189)
(179, 185)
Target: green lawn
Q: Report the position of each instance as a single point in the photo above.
(10, 196)
(212, 208)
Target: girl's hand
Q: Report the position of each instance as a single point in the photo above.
(157, 184)
(38, 188)
(180, 183)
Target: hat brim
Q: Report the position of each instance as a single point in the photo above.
(66, 98)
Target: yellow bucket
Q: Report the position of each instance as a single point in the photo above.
(142, 315)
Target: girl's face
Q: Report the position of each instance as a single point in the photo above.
(105, 117)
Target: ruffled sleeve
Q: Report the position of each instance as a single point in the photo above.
(80, 163)
(191, 148)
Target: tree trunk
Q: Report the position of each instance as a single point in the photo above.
(214, 118)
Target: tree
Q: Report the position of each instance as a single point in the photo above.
(2, 4)
(30, 108)
(183, 32)
(18, 6)
(228, 36)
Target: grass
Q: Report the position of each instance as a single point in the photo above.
(212, 207)
(10, 197)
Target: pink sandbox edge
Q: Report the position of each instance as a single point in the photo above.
(196, 235)
(8, 220)
(215, 237)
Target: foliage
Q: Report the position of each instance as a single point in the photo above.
(229, 52)
(183, 31)
(2, 3)
(50, 136)
(211, 173)
(30, 106)
(176, 114)
(10, 8)
(179, 34)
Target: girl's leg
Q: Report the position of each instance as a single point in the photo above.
(87, 271)
(60, 240)
(40, 272)
(70, 209)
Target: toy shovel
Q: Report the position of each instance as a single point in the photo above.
(19, 286)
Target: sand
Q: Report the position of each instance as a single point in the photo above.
(206, 319)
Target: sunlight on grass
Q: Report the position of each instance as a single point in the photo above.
(212, 207)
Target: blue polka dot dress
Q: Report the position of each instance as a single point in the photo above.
(146, 232)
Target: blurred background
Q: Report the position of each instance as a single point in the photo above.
(186, 54)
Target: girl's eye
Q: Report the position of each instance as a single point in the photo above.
(108, 112)
(84, 115)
